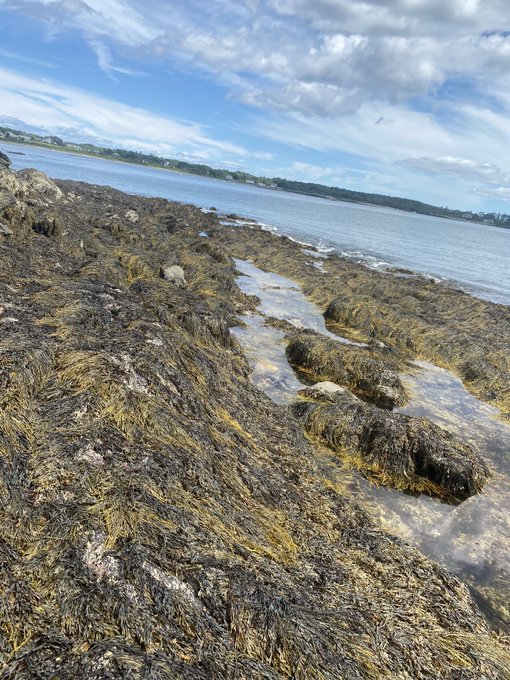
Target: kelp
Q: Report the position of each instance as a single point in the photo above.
(160, 517)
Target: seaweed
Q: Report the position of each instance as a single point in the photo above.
(369, 373)
(161, 518)
(397, 450)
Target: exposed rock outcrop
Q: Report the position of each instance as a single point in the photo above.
(5, 161)
(367, 371)
(403, 451)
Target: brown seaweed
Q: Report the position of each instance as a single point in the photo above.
(161, 518)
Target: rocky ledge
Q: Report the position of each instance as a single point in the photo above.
(414, 316)
(368, 371)
(398, 450)
(161, 518)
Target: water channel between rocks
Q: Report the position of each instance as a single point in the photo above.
(472, 539)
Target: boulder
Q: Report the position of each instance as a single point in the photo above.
(322, 391)
(368, 371)
(402, 451)
(132, 216)
(5, 161)
(40, 183)
(174, 274)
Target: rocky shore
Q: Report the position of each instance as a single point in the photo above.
(161, 517)
(415, 316)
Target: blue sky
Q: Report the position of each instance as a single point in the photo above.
(404, 97)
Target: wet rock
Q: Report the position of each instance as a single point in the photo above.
(174, 274)
(403, 451)
(322, 391)
(367, 371)
(5, 161)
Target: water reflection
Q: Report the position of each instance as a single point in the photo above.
(472, 539)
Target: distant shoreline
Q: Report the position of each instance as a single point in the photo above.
(275, 184)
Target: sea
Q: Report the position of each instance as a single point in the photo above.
(469, 256)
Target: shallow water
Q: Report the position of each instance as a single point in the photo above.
(472, 539)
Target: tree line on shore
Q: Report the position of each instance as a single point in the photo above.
(295, 186)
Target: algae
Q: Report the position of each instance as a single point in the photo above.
(161, 517)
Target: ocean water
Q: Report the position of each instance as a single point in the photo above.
(474, 257)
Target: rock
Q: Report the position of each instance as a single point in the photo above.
(161, 515)
(402, 451)
(5, 230)
(132, 216)
(174, 274)
(40, 183)
(12, 183)
(368, 371)
(48, 225)
(6, 199)
(5, 161)
(323, 391)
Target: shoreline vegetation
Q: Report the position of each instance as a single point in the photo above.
(161, 517)
(54, 142)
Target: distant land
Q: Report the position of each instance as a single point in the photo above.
(276, 183)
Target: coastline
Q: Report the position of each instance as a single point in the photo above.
(162, 513)
(423, 318)
(50, 147)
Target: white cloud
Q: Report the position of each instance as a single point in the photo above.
(460, 167)
(105, 61)
(264, 156)
(51, 105)
(309, 171)
(119, 20)
(313, 57)
(500, 193)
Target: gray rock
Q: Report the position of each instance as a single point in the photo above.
(132, 216)
(40, 183)
(174, 274)
(5, 230)
(5, 161)
(323, 391)
(12, 183)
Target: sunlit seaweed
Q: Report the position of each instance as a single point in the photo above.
(161, 518)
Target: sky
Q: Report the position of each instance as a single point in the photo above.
(402, 97)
